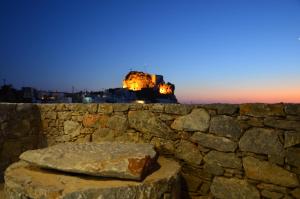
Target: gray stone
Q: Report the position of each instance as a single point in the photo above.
(197, 120)
(226, 126)
(72, 128)
(108, 159)
(293, 156)
(270, 173)
(291, 138)
(118, 122)
(260, 140)
(26, 181)
(271, 195)
(229, 160)
(262, 110)
(223, 109)
(233, 188)
(292, 109)
(282, 124)
(179, 109)
(188, 152)
(147, 122)
(214, 142)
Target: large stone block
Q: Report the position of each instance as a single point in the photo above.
(229, 160)
(188, 152)
(260, 140)
(270, 173)
(197, 120)
(223, 109)
(225, 126)
(292, 109)
(72, 128)
(233, 188)
(262, 110)
(282, 124)
(214, 142)
(118, 122)
(26, 181)
(147, 122)
(108, 159)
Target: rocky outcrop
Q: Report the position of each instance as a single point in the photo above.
(107, 159)
(25, 181)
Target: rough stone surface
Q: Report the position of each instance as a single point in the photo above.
(271, 195)
(291, 138)
(223, 109)
(188, 152)
(292, 109)
(293, 156)
(71, 128)
(108, 159)
(262, 110)
(214, 142)
(178, 109)
(25, 181)
(282, 124)
(272, 187)
(296, 193)
(225, 126)
(222, 159)
(260, 140)
(233, 188)
(146, 122)
(270, 173)
(197, 120)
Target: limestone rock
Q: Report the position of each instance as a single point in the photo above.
(262, 110)
(226, 126)
(105, 108)
(270, 173)
(291, 138)
(118, 122)
(214, 142)
(223, 109)
(222, 159)
(233, 188)
(146, 122)
(108, 159)
(272, 187)
(120, 107)
(293, 156)
(188, 152)
(197, 120)
(213, 169)
(254, 140)
(90, 120)
(71, 128)
(25, 181)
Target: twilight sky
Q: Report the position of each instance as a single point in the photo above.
(212, 50)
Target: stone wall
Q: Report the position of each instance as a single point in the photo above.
(226, 151)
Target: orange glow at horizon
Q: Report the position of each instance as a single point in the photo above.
(263, 95)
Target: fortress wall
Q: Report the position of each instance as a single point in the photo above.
(225, 150)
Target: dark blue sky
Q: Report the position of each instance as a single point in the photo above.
(212, 50)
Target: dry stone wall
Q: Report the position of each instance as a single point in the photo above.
(226, 151)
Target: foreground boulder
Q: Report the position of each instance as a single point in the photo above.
(107, 159)
(23, 180)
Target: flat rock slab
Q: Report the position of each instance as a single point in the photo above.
(23, 180)
(107, 159)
